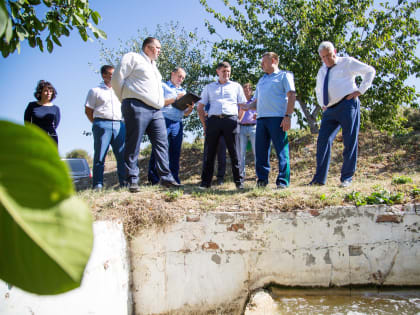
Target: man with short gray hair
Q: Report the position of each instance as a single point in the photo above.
(338, 94)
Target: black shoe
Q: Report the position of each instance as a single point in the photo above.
(203, 186)
(133, 187)
(262, 183)
(240, 186)
(170, 184)
(220, 181)
(313, 183)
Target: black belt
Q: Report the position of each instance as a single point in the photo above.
(247, 124)
(222, 116)
(335, 104)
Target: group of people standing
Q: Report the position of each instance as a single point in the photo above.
(132, 101)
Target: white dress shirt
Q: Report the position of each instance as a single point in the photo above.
(341, 80)
(223, 98)
(104, 102)
(138, 77)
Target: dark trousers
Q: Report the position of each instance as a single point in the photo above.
(174, 130)
(139, 119)
(221, 157)
(345, 115)
(268, 129)
(216, 128)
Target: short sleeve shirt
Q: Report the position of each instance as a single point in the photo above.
(271, 93)
(171, 91)
(223, 98)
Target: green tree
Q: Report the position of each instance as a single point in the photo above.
(78, 153)
(179, 49)
(30, 19)
(384, 36)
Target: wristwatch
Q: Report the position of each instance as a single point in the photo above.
(288, 115)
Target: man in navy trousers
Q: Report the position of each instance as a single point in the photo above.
(338, 94)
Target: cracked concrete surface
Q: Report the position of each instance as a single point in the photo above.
(245, 251)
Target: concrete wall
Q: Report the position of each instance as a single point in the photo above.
(105, 289)
(211, 263)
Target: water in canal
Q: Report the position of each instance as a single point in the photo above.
(401, 302)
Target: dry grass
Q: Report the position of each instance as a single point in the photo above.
(381, 158)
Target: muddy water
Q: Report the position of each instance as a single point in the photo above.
(360, 302)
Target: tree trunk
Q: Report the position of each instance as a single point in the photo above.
(310, 117)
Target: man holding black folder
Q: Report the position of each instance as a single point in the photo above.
(177, 104)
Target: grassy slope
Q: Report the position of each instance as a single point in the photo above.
(381, 158)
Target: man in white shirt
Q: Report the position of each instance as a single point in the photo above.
(337, 93)
(138, 83)
(103, 109)
(223, 96)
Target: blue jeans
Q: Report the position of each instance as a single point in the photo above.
(268, 129)
(105, 133)
(140, 119)
(345, 115)
(246, 132)
(174, 129)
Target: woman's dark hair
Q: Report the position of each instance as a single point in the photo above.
(40, 87)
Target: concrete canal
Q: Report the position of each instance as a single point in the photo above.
(213, 263)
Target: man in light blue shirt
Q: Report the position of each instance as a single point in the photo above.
(172, 91)
(224, 96)
(275, 95)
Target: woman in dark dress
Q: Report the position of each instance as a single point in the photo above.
(43, 112)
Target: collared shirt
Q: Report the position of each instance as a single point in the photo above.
(341, 79)
(248, 117)
(138, 77)
(271, 93)
(104, 102)
(223, 98)
(171, 91)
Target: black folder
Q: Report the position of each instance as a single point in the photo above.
(184, 101)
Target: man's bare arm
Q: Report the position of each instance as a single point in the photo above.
(89, 113)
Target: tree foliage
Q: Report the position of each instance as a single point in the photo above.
(179, 49)
(78, 154)
(31, 19)
(383, 36)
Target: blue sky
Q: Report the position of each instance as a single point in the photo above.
(68, 68)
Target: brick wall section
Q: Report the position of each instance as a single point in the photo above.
(385, 218)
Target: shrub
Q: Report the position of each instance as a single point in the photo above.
(401, 180)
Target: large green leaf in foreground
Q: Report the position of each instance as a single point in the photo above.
(45, 234)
